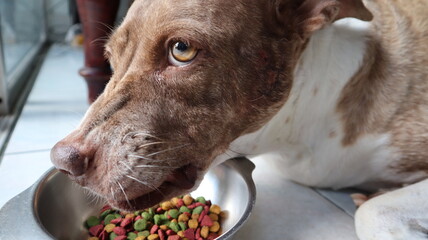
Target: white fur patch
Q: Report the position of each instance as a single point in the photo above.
(306, 133)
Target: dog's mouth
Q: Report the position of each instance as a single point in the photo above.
(180, 180)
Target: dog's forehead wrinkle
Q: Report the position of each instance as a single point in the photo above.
(207, 14)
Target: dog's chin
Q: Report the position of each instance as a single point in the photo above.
(179, 182)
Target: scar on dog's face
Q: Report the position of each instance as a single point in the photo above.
(190, 76)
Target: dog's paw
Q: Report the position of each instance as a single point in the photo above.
(360, 198)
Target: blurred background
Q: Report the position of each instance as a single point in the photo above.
(32, 30)
(51, 69)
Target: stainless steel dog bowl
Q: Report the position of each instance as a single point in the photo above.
(55, 208)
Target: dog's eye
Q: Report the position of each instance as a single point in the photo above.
(182, 53)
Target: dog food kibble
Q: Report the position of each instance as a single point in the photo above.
(181, 218)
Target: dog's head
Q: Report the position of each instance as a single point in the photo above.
(190, 76)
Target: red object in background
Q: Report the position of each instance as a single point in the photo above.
(97, 17)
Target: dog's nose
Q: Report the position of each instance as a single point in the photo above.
(69, 159)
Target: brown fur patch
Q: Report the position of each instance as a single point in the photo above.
(389, 93)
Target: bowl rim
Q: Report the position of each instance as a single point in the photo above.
(245, 167)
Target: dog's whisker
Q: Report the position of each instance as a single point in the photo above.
(145, 158)
(154, 166)
(93, 199)
(149, 144)
(146, 134)
(127, 166)
(112, 192)
(136, 133)
(124, 193)
(145, 184)
(101, 41)
(126, 136)
(109, 28)
(169, 149)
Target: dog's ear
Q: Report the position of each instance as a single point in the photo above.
(307, 16)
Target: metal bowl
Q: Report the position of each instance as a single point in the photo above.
(56, 208)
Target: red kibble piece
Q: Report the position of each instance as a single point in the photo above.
(121, 237)
(207, 208)
(116, 221)
(154, 229)
(105, 208)
(200, 239)
(119, 231)
(198, 233)
(169, 232)
(180, 203)
(197, 204)
(103, 235)
(161, 234)
(159, 210)
(202, 215)
(96, 230)
(189, 234)
(174, 237)
(191, 206)
(126, 222)
(138, 218)
(206, 221)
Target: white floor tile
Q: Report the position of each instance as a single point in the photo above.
(56, 104)
(20, 171)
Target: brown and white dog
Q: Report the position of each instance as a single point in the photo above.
(338, 89)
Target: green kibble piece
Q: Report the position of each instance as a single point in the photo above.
(131, 235)
(146, 215)
(92, 221)
(184, 209)
(201, 200)
(182, 225)
(174, 226)
(157, 218)
(105, 213)
(197, 210)
(108, 218)
(151, 211)
(117, 215)
(140, 224)
(136, 213)
(144, 233)
(173, 213)
(112, 235)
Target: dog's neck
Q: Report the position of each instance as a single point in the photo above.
(308, 124)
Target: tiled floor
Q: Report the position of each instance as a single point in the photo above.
(284, 210)
(53, 109)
